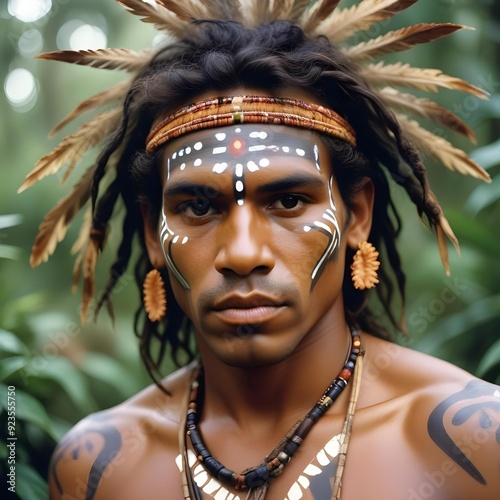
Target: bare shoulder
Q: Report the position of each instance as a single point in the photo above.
(101, 456)
(451, 419)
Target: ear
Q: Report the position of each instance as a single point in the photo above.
(361, 214)
(153, 247)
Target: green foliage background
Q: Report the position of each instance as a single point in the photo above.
(63, 371)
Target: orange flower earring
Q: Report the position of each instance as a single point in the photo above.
(364, 266)
(155, 297)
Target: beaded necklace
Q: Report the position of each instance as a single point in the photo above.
(274, 463)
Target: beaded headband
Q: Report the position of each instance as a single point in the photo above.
(223, 111)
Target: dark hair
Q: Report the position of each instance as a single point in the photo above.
(222, 55)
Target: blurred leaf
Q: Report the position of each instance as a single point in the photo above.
(10, 220)
(11, 344)
(474, 232)
(3, 449)
(70, 379)
(108, 370)
(9, 366)
(29, 409)
(488, 156)
(482, 197)
(475, 315)
(9, 252)
(490, 359)
(29, 484)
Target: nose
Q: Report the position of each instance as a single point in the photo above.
(244, 245)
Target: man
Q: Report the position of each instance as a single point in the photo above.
(252, 163)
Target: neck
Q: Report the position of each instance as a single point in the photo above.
(281, 393)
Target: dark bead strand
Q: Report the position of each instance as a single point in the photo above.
(272, 468)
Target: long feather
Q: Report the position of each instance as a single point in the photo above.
(73, 147)
(345, 22)
(88, 263)
(262, 11)
(129, 60)
(298, 9)
(55, 224)
(450, 156)
(113, 94)
(427, 109)
(426, 79)
(186, 10)
(402, 39)
(157, 14)
(223, 9)
(319, 11)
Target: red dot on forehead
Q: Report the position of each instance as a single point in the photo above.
(237, 147)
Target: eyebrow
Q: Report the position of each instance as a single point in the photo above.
(291, 182)
(185, 188)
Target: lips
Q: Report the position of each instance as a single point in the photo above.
(250, 309)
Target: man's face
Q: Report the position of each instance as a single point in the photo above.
(251, 229)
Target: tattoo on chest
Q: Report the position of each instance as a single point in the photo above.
(109, 444)
(479, 400)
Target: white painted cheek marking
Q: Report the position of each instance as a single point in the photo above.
(188, 150)
(198, 146)
(197, 162)
(184, 240)
(168, 169)
(174, 156)
(307, 229)
(181, 152)
(183, 166)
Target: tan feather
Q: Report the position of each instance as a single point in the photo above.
(223, 9)
(113, 94)
(84, 233)
(262, 11)
(126, 59)
(55, 224)
(319, 11)
(427, 109)
(444, 232)
(402, 39)
(345, 22)
(71, 149)
(426, 79)
(298, 8)
(156, 14)
(450, 156)
(187, 10)
(88, 263)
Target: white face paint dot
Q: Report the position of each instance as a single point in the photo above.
(218, 151)
(181, 152)
(198, 146)
(238, 130)
(188, 150)
(220, 136)
(264, 162)
(218, 168)
(185, 240)
(252, 166)
(307, 229)
(258, 135)
(316, 152)
(285, 149)
(183, 166)
(239, 186)
(197, 162)
(239, 170)
(240, 202)
(174, 156)
(176, 239)
(300, 152)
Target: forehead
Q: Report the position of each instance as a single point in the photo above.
(253, 146)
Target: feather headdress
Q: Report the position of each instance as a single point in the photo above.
(321, 17)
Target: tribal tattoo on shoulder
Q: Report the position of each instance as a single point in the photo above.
(72, 447)
(479, 400)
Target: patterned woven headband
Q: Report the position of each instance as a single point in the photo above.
(223, 111)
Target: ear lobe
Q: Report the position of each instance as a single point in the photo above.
(153, 247)
(361, 208)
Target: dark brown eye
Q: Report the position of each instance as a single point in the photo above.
(200, 206)
(289, 201)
